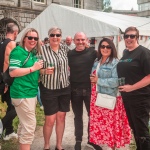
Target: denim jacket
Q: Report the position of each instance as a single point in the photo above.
(107, 77)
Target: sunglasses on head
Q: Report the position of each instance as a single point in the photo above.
(30, 38)
(105, 46)
(132, 36)
(53, 35)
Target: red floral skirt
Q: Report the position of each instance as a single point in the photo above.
(109, 127)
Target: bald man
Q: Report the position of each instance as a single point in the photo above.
(69, 43)
(81, 60)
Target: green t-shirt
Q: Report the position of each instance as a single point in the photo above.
(24, 86)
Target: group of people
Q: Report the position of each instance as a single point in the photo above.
(91, 72)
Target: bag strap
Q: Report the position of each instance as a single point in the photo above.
(26, 59)
(98, 65)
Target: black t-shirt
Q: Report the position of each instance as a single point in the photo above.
(134, 66)
(80, 63)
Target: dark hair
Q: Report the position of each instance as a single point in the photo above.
(46, 39)
(132, 29)
(113, 49)
(11, 27)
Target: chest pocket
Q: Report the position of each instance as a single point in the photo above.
(105, 73)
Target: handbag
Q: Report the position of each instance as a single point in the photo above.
(7, 79)
(104, 100)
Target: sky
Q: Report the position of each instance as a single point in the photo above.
(124, 4)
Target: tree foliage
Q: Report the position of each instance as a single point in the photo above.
(107, 6)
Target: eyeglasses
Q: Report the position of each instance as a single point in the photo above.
(105, 46)
(30, 38)
(132, 36)
(53, 35)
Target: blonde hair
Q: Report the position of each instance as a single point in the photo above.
(54, 29)
(38, 46)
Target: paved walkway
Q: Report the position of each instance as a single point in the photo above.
(68, 139)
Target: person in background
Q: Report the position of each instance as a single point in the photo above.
(46, 40)
(134, 66)
(25, 68)
(54, 87)
(39, 99)
(69, 43)
(7, 45)
(81, 60)
(108, 128)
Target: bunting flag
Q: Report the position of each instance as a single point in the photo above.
(141, 37)
(146, 37)
(119, 38)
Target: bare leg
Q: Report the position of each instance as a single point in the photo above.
(24, 146)
(60, 126)
(47, 129)
(113, 148)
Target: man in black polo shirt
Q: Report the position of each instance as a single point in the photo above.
(81, 60)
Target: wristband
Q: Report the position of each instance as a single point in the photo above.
(30, 70)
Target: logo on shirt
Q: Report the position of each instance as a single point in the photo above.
(125, 60)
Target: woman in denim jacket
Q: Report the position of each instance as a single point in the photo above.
(108, 128)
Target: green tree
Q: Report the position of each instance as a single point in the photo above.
(107, 6)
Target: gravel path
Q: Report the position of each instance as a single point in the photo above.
(68, 139)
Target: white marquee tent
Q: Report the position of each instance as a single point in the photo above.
(93, 23)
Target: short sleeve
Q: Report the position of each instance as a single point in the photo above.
(14, 59)
(145, 61)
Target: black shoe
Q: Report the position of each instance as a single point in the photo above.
(94, 146)
(77, 146)
(58, 149)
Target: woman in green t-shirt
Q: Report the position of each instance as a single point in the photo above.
(25, 68)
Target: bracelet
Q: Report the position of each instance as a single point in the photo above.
(30, 70)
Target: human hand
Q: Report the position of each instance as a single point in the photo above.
(126, 88)
(49, 70)
(6, 88)
(37, 65)
(93, 78)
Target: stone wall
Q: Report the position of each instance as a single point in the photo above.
(24, 11)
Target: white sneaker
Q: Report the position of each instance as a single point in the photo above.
(41, 107)
(1, 128)
(10, 136)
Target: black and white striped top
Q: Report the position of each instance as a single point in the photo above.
(59, 79)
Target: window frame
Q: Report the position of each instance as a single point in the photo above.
(78, 3)
(44, 1)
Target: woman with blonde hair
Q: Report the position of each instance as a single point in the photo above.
(25, 68)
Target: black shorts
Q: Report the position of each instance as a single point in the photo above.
(55, 100)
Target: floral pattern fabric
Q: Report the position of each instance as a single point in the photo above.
(109, 127)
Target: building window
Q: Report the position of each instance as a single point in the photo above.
(40, 1)
(78, 3)
(144, 7)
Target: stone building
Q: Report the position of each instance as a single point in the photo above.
(24, 11)
(144, 8)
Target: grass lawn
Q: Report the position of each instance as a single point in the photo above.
(13, 144)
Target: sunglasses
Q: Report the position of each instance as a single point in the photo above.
(30, 38)
(107, 46)
(53, 35)
(132, 36)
